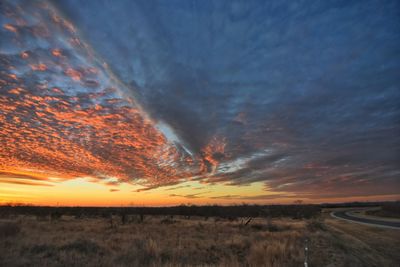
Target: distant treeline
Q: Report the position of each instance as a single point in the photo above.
(295, 211)
(360, 204)
(229, 212)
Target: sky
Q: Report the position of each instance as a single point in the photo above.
(200, 102)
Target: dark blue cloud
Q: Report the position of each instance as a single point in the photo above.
(304, 94)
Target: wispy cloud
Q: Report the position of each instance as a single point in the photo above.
(23, 182)
(226, 197)
(177, 187)
(114, 190)
(196, 195)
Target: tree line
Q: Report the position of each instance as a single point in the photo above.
(227, 212)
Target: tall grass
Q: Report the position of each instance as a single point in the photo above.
(162, 241)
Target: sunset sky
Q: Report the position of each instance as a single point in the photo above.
(202, 102)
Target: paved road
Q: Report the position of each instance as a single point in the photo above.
(370, 221)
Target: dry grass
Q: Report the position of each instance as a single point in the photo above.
(365, 245)
(9, 229)
(183, 242)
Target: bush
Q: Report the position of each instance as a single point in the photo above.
(9, 229)
(143, 252)
(83, 246)
(44, 249)
(270, 227)
(167, 221)
(258, 227)
(316, 225)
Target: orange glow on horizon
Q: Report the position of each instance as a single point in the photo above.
(93, 192)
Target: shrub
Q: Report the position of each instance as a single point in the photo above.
(167, 220)
(55, 216)
(83, 246)
(142, 252)
(9, 229)
(45, 249)
(316, 225)
(272, 227)
(259, 227)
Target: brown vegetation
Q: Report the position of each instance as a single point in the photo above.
(389, 210)
(179, 241)
(9, 229)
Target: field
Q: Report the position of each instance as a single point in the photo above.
(165, 240)
(389, 210)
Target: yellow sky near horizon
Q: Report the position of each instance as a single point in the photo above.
(87, 192)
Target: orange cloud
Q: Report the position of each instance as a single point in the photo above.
(56, 52)
(55, 128)
(10, 28)
(38, 67)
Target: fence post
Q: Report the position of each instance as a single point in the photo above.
(306, 253)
